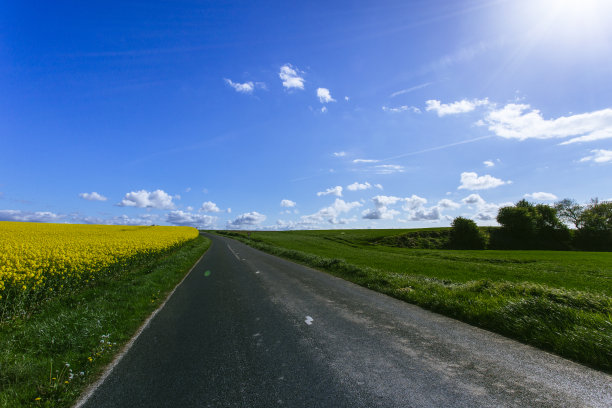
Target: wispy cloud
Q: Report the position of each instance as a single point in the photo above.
(599, 156)
(365, 161)
(402, 108)
(411, 89)
(541, 196)
(488, 163)
(339, 154)
(389, 168)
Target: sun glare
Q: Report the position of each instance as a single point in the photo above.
(572, 24)
(576, 13)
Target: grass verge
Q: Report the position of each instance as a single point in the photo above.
(48, 358)
(489, 289)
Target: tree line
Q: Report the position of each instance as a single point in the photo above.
(539, 226)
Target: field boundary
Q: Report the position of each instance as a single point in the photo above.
(117, 359)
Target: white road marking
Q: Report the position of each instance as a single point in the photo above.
(233, 252)
(308, 320)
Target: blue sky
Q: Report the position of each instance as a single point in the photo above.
(344, 114)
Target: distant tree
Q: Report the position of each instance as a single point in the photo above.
(528, 226)
(595, 226)
(569, 211)
(466, 235)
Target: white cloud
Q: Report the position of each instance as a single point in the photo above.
(247, 219)
(287, 203)
(339, 154)
(190, 219)
(144, 199)
(290, 77)
(471, 181)
(359, 186)
(378, 186)
(324, 95)
(379, 213)
(431, 214)
(188, 189)
(337, 191)
(454, 108)
(402, 108)
(365, 161)
(330, 214)
(382, 211)
(246, 87)
(517, 121)
(324, 109)
(29, 216)
(92, 196)
(389, 168)
(599, 156)
(484, 211)
(541, 196)
(488, 163)
(474, 199)
(450, 204)
(414, 202)
(384, 201)
(143, 219)
(189, 208)
(346, 98)
(209, 206)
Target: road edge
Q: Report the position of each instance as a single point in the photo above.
(91, 389)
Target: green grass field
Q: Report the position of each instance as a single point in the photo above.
(50, 356)
(558, 301)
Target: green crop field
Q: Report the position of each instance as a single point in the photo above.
(556, 300)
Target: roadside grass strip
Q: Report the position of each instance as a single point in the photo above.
(575, 324)
(50, 355)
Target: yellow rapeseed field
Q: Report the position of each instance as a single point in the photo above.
(40, 259)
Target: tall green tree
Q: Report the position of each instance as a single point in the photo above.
(595, 226)
(529, 226)
(465, 234)
(569, 211)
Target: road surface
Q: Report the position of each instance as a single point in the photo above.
(247, 329)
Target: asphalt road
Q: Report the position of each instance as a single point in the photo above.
(246, 329)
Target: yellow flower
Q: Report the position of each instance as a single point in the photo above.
(44, 258)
